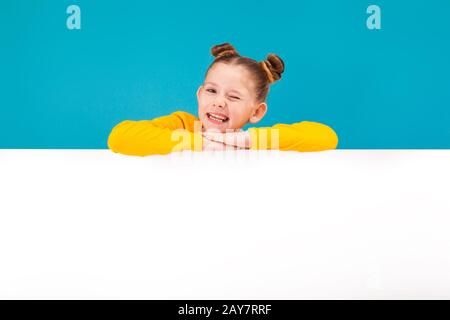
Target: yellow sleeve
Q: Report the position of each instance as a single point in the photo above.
(162, 135)
(302, 136)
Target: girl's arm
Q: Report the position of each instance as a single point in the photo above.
(302, 136)
(162, 135)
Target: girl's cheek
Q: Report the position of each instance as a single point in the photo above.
(202, 105)
(204, 101)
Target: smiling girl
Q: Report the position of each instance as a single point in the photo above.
(233, 94)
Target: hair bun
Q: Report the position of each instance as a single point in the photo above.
(223, 50)
(273, 67)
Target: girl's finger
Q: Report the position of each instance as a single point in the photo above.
(215, 137)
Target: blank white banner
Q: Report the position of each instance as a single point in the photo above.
(341, 224)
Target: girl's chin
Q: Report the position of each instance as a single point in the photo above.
(215, 128)
(208, 126)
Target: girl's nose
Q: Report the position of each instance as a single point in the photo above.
(219, 102)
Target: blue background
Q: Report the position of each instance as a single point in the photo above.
(62, 88)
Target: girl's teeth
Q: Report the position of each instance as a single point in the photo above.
(217, 118)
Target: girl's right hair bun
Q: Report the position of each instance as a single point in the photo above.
(223, 50)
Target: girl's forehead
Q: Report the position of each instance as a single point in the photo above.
(230, 75)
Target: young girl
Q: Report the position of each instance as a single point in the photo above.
(233, 94)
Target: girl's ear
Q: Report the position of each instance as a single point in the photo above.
(259, 113)
(198, 92)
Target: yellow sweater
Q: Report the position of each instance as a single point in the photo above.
(181, 131)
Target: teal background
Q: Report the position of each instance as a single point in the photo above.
(62, 88)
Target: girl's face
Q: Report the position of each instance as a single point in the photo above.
(227, 99)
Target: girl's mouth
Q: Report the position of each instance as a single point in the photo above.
(217, 118)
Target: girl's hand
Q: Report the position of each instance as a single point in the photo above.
(211, 145)
(239, 140)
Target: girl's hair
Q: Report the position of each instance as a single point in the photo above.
(264, 72)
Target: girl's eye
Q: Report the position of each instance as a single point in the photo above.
(234, 98)
(211, 90)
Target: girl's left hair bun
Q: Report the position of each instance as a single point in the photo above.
(223, 50)
(273, 67)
